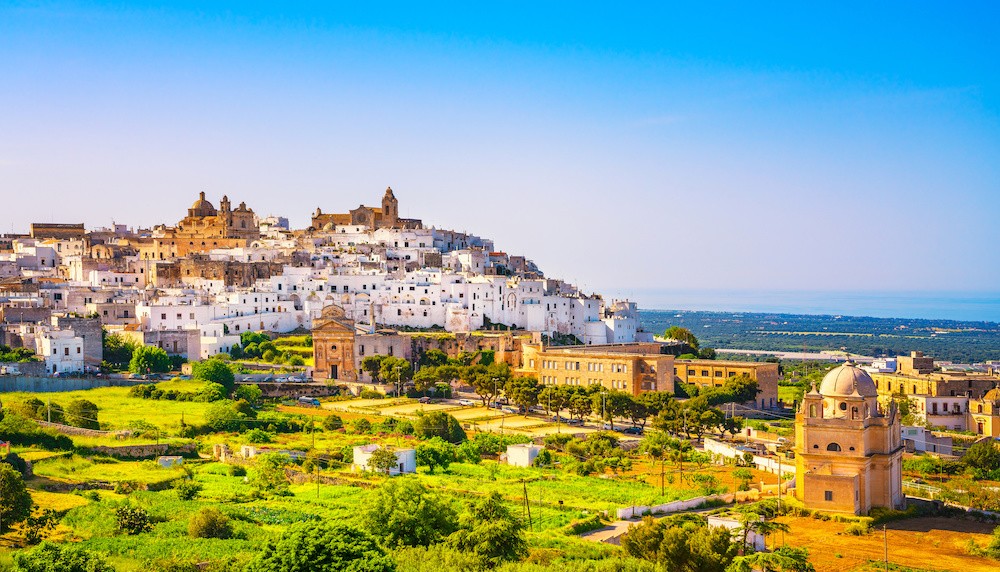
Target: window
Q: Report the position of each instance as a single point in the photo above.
(828, 496)
(692, 372)
(833, 447)
(65, 351)
(77, 350)
(163, 316)
(812, 410)
(718, 374)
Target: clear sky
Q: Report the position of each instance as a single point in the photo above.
(747, 145)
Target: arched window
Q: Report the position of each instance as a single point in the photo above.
(815, 446)
(333, 347)
(854, 413)
(812, 410)
(833, 447)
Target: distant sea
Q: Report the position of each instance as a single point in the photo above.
(963, 306)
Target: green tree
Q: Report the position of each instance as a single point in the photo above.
(439, 424)
(783, 559)
(383, 460)
(682, 335)
(983, 457)
(222, 415)
(322, 547)
(15, 500)
(215, 371)
(488, 382)
(148, 359)
(52, 557)
(744, 476)
(361, 425)
(117, 349)
(269, 472)
(523, 391)
(396, 371)
(580, 404)
(403, 512)
(425, 379)
(373, 366)
(82, 413)
(187, 489)
(248, 392)
(491, 532)
(611, 403)
(553, 398)
(436, 452)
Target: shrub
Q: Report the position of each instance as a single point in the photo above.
(361, 425)
(857, 529)
(82, 413)
(209, 523)
(49, 557)
(296, 361)
(149, 359)
(215, 371)
(186, 489)
(269, 356)
(237, 471)
(132, 520)
(371, 394)
(15, 500)
(258, 436)
(332, 422)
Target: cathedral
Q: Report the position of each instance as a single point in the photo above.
(371, 217)
(204, 221)
(848, 448)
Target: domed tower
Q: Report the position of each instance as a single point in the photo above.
(848, 449)
(390, 208)
(201, 208)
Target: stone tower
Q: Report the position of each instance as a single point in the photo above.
(390, 208)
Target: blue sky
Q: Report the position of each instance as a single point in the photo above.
(821, 147)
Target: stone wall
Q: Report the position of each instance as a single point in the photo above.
(41, 384)
(148, 451)
(28, 368)
(79, 431)
(296, 389)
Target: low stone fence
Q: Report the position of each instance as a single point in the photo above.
(676, 506)
(81, 432)
(150, 450)
(298, 477)
(297, 389)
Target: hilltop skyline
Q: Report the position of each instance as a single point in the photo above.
(642, 150)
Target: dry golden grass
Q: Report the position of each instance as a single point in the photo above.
(922, 543)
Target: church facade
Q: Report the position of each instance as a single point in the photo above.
(372, 217)
(333, 346)
(849, 450)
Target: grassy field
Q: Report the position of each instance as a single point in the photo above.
(79, 469)
(117, 410)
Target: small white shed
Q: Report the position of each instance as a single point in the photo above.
(522, 454)
(406, 459)
(755, 539)
(169, 461)
(248, 451)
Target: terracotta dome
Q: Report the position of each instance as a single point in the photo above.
(201, 203)
(842, 381)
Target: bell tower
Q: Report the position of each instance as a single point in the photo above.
(390, 208)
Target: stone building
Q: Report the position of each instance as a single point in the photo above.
(848, 449)
(372, 217)
(333, 346)
(984, 414)
(204, 221)
(56, 230)
(632, 368)
(709, 373)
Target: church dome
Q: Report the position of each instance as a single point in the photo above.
(842, 381)
(992, 395)
(201, 203)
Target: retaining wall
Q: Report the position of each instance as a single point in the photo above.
(38, 384)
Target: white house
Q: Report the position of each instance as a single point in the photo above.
(522, 454)
(62, 350)
(406, 459)
(169, 461)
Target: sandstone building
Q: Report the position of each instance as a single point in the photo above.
(848, 450)
(714, 373)
(385, 217)
(632, 368)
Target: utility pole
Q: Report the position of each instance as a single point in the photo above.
(527, 505)
(885, 541)
(312, 423)
(48, 409)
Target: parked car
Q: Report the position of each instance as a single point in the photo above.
(559, 419)
(309, 401)
(606, 427)
(575, 422)
(632, 430)
(280, 379)
(509, 409)
(9, 370)
(424, 399)
(466, 402)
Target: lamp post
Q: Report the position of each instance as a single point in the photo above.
(603, 409)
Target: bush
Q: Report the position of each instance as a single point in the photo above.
(361, 425)
(258, 436)
(51, 557)
(82, 413)
(186, 489)
(132, 520)
(209, 523)
(439, 424)
(371, 394)
(296, 361)
(303, 545)
(857, 529)
(332, 422)
(15, 500)
(215, 371)
(237, 471)
(269, 356)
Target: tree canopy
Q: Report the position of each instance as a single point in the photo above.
(491, 532)
(322, 547)
(149, 359)
(215, 371)
(404, 512)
